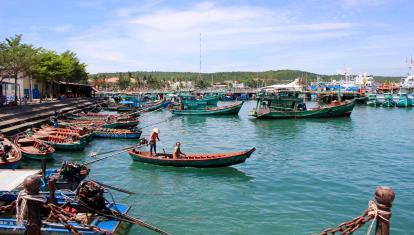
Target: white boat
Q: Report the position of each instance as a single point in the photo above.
(407, 83)
(296, 85)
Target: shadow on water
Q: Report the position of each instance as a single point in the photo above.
(222, 172)
(194, 120)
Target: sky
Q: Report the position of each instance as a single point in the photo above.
(321, 36)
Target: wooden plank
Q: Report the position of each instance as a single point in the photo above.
(11, 179)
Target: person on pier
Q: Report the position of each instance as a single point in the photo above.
(153, 140)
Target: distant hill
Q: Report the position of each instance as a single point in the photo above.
(250, 78)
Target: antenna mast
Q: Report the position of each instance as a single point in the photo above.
(199, 72)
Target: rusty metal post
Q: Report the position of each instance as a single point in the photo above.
(51, 185)
(34, 222)
(384, 196)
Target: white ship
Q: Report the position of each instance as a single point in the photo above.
(407, 83)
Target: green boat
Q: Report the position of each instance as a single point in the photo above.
(404, 101)
(290, 104)
(205, 160)
(373, 101)
(33, 148)
(61, 143)
(153, 106)
(389, 101)
(192, 100)
(221, 110)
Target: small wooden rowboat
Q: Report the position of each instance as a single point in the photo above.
(100, 123)
(153, 106)
(221, 110)
(193, 160)
(61, 143)
(84, 133)
(117, 133)
(11, 159)
(33, 148)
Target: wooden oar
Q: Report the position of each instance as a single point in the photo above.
(141, 223)
(113, 187)
(126, 148)
(122, 217)
(152, 124)
(119, 152)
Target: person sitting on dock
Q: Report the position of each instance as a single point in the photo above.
(177, 151)
(153, 140)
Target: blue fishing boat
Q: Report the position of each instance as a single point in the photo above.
(404, 101)
(373, 100)
(389, 100)
(72, 205)
(117, 133)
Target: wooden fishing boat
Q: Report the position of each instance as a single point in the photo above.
(288, 104)
(192, 99)
(61, 143)
(99, 123)
(11, 157)
(221, 110)
(193, 160)
(117, 133)
(389, 101)
(33, 148)
(404, 101)
(153, 106)
(84, 132)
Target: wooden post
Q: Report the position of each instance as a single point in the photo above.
(384, 196)
(34, 222)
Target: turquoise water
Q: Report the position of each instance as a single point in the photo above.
(305, 176)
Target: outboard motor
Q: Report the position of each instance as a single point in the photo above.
(92, 195)
(74, 172)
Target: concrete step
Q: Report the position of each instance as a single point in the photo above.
(22, 110)
(36, 120)
(27, 115)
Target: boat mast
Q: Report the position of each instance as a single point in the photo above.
(199, 72)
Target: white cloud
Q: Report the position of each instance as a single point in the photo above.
(362, 3)
(168, 39)
(64, 28)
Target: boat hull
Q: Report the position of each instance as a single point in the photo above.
(405, 103)
(344, 110)
(10, 165)
(48, 156)
(225, 110)
(78, 146)
(117, 135)
(374, 103)
(229, 160)
(389, 104)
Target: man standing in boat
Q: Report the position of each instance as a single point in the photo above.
(153, 138)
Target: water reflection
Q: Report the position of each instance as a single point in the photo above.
(222, 172)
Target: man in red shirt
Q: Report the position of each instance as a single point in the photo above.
(153, 140)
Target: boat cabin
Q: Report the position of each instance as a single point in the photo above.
(281, 100)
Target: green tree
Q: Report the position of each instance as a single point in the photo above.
(15, 58)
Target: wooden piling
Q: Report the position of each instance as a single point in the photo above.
(34, 222)
(384, 196)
